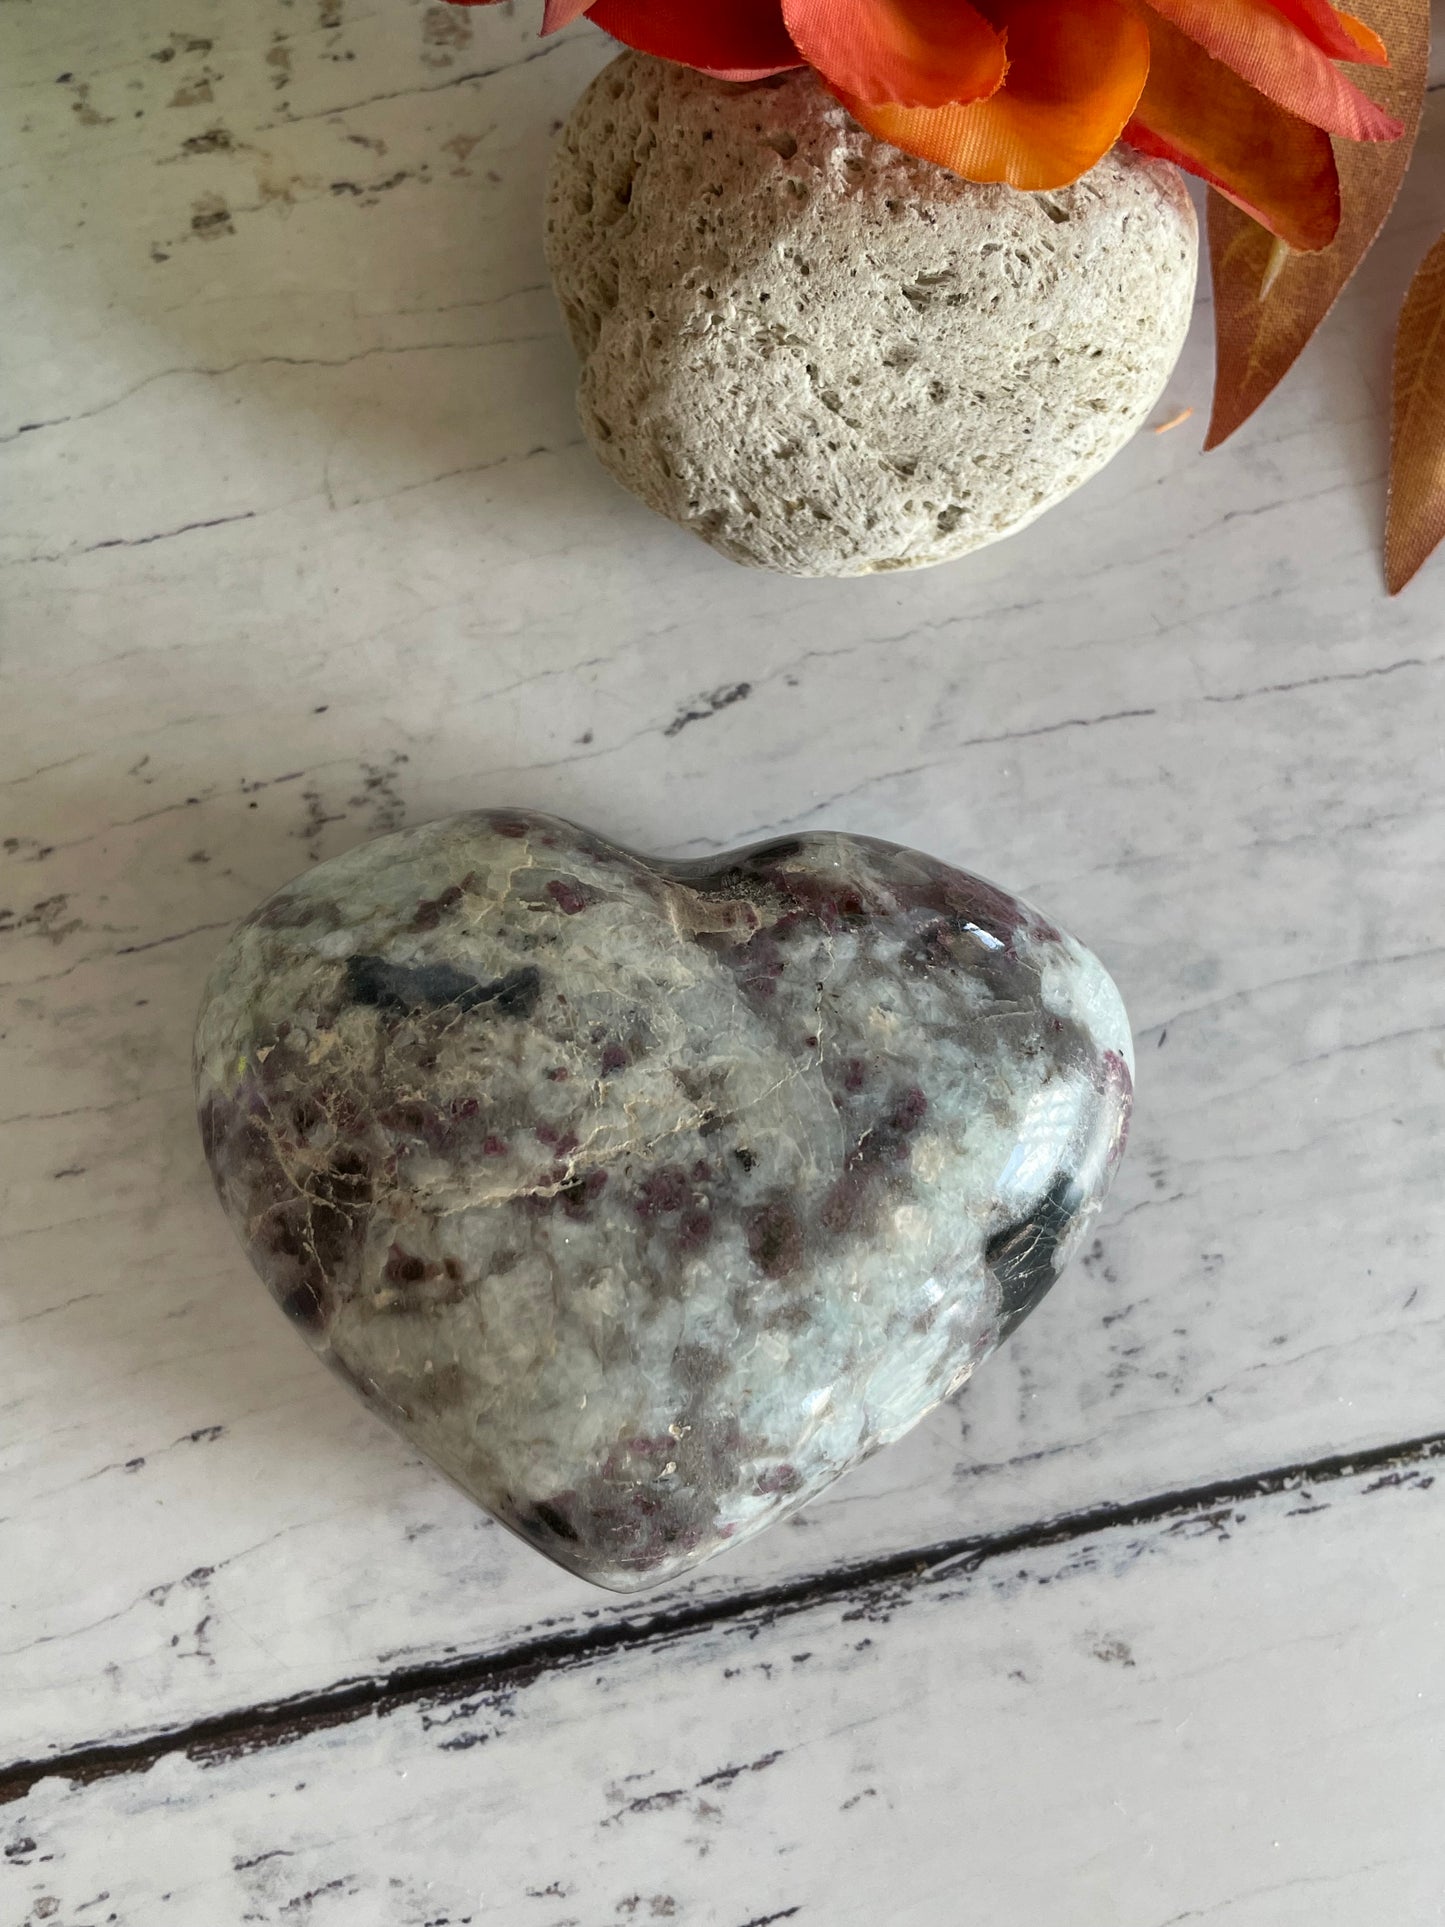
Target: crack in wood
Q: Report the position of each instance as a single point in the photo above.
(498, 1677)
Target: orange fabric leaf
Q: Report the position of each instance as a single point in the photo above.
(731, 39)
(1257, 340)
(1075, 71)
(909, 53)
(1203, 117)
(1264, 48)
(1415, 521)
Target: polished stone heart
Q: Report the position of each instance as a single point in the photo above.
(646, 1198)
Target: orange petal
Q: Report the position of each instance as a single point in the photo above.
(1257, 336)
(556, 15)
(1075, 71)
(1372, 49)
(1256, 40)
(906, 53)
(1339, 35)
(1198, 114)
(732, 39)
(1415, 521)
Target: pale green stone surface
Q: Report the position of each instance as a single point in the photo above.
(646, 1199)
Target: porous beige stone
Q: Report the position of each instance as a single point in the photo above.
(826, 357)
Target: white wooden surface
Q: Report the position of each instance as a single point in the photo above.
(299, 542)
(1073, 1734)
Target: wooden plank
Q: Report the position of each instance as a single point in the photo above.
(1228, 1716)
(305, 546)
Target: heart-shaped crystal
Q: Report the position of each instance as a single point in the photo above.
(646, 1198)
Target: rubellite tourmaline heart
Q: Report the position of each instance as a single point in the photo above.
(646, 1198)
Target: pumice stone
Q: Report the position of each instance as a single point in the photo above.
(646, 1198)
(828, 358)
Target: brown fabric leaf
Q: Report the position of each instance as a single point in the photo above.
(1256, 341)
(1415, 520)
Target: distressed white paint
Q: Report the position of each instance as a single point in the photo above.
(1179, 712)
(1232, 1718)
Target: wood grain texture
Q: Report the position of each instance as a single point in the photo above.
(1231, 1715)
(304, 546)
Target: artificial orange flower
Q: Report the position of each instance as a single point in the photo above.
(1243, 93)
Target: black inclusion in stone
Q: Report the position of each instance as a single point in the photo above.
(1023, 1259)
(550, 1518)
(409, 988)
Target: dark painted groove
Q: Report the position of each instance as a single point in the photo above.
(250, 1729)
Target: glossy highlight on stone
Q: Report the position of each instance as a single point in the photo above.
(646, 1198)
